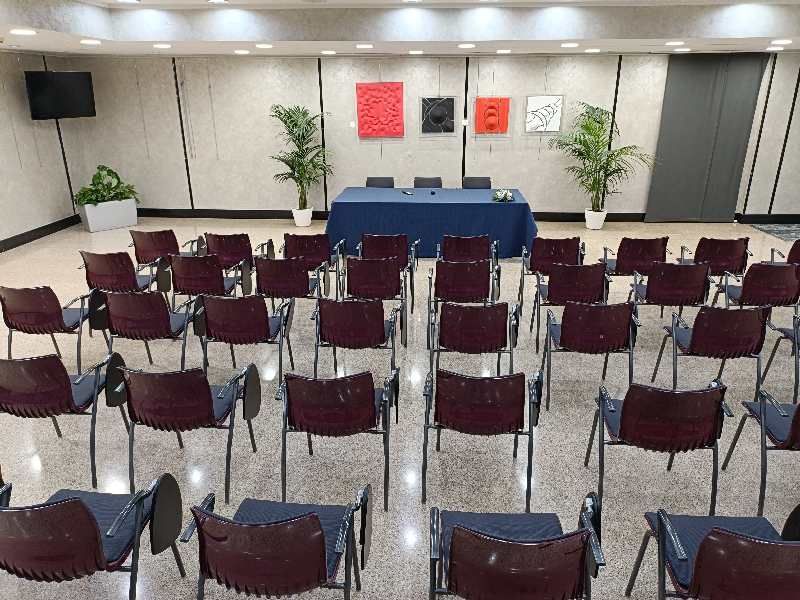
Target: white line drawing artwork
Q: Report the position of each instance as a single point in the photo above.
(543, 114)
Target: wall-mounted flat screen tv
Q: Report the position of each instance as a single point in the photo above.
(60, 94)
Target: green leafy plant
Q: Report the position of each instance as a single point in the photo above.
(307, 163)
(106, 187)
(602, 168)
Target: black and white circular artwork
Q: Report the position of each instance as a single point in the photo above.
(438, 115)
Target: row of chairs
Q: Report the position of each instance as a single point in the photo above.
(467, 183)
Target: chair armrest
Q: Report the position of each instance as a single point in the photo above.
(415, 251)
(747, 251)
(768, 397)
(5, 495)
(344, 529)
(535, 397)
(427, 389)
(667, 250)
(605, 397)
(282, 250)
(208, 505)
(676, 318)
(636, 320)
(267, 249)
(94, 367)
(436, 535)
(773, 252)
(551, 318)
(281, 392)
(438, 251)
(140, 496)
(187, 303)
(606, 252)
(234, 379)
(359, 248)
(594, 543)
(638, 277)
(672, 535)
(281, 307)
(191, 244)
(74, 300)
(581, 252)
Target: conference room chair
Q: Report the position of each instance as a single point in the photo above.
(636, 255)
(475, 330)
(74, 534)
(427, 182)
(316, 249)
(673, 285)
(392, 246)
(592, 329)
(378, 279)
(146, 316)
(476, 183)
(793, 335)
(307, 541)
(41, 388)
(37, 311)
(149, 246)
(514, 556)
(730, 558)
(717, 333)
(288, 278)
(243, 322)
(380, 182)
(661, 421)
(234, 249)
(775, 285)
(486, 406)
(115, 272)
(587, 284)
(182, 401)
(337, 408)
(355, 325)
(721, 256)
(467, 249)
(778, 422)
(195, 275)
(546, 252)
(793, 258)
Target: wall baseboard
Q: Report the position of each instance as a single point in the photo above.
(575, 217)
(34, 234)
(781, 219)
(216, 213)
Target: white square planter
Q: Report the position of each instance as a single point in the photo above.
(108, 215)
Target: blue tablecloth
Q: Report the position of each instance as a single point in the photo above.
(428, 218)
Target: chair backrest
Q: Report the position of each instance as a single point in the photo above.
(373, 278)
(138, 315)
(596, 328)
(481, 566)
(35, 387)
(385, 246)
(176, 401)
(722, 255)
(677, 285)
(149, 246)
(32, 310)
(57, 541)
(271, 560)
(243, 320)
(427, 182)
(776, 285)
(476, 183)
(316, 249)
(354, 324)
(463, 281)
(197, 274)
(480, 405)
(669, 420)
(113, 272)
(331, 407)
(732, 566)
(465, 249)
(474, 329)
(380, 182)
(729, 333)
(545, 252)
(794, 253)
(231, 248)
(577, 283)
(639, 254)
(282, 278)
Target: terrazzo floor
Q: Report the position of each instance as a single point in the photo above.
(470, 473)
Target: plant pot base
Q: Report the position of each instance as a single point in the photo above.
(108, 215)
(595, 220)
(302, 218)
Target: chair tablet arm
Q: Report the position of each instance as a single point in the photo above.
(768, 397)
(279, 395)
(344, 529)
(140, 496)
(5, 495)
(672, 534)
(74, 300)
(207, 505)
(95, 366)
(606, 398)
(594, 543)
(435, 534)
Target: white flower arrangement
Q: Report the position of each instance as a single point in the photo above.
(503, 196)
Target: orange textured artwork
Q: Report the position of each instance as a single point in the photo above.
(380, 109)
(491, 115)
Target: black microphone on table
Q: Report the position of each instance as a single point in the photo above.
(433, 193)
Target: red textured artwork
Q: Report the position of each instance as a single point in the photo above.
(491, 115)
(380, 109)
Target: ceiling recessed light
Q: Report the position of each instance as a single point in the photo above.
(412, 0)
(329, 52)
(569, 45)
(774, 48)
(22, 32)
(683, 49)
(364, 46)
(162, 46)
(780, 42)
(241, 51)
(465, 46)
(128, 1)
(504, 51)
(487, 0)
(415, 51)
(13, 46)
(674, 44)
(264, 46)
(217, 1)
(592, 50)
(91, 42)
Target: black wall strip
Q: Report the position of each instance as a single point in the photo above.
(63, 153)
(183, 134)
(322, 129)
(614, 111)
(785, 140)
(34, 234)
(760, 130)
(464, 129)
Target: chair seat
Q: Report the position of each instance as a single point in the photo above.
(72, 317)
(612, 419)
(144, 281)
(777, 426)
(641, 290)
(264, 512)
(229, 283)
(686, 261)
(106, 508)
(734, 291)
(222, 406)
(176, 322)
(312, 285)
(83, 393)
(187, 254)
(691, 531)
(274, 327)
(543, 292)
(787, 332)
(611, 264)
(555, 334)
(378, 400)
(683, 336)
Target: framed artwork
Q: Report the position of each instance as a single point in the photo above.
(380, 109)
(438, 115)
(491, 115)
(543, 114)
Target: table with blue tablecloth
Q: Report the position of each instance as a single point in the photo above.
(428, 218)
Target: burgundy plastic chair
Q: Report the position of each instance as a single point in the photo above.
(378, 279)
(392, 246)
(195, 275)
(725, 558)
(337, 408)
(38, 312)
(793, 335)
(636, 255)
(481, 406)
(718, 333)
(662, 421)
(149, 246)
(279, 548)
(793, 258)
(764, 284)
(115, 272)
(243, 322)
(544, 253)
(75, 534)
(475, 330)
(146, 316)
(673, 285)
(231, 249)
(183, 401)
(592, 329)
(514, 556)
(288, 278)
(721, 255)
(467, 249)
(316, 249)
(41, 387)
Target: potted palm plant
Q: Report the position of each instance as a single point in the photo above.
(306, 163)
(107, 203)
(601, 169)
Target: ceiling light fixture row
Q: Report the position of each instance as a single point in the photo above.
(22, 32)
(774, 48)
(91, 42)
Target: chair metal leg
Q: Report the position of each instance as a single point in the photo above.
(124, 417)
(55, 426)
(149, 356)
(231, 421)
(498, 364)
(178, 560)
(591, 438)
(538, 309)
(605, 367)
(291, 356)
(183, 350)
(771, 357)
(105, 337)
(283, 465)
(530, 470)
(348, 556)
(310, 445)
(335, 364)
(130, 457)
(670, 461)
(516, 443)
(180, 440)
(547, 350)
(721, 368)
(432, 586)
(78, 351)
(601, 456)
(438, 440)
(386, 466)
(734, 442)
(10, 335)
(637, 565)
(674, 365)
(763, 490)
(92, 436)
(425, 463)
(135, 555)
(662, 561)
(658, 360)
(714, 481)
(55, 345)
(205, 356)
(201, 587)
(233, 356)
(252, 437)
(316, 358)
(356, 570)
